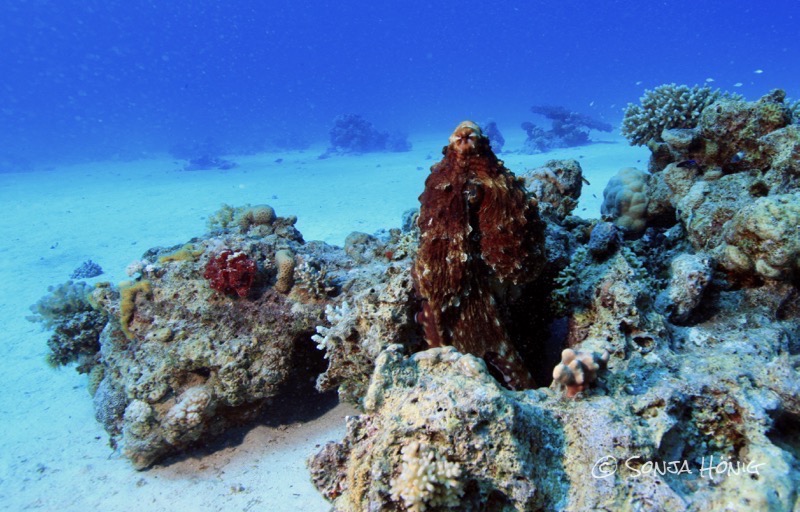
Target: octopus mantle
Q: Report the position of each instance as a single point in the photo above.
(480, 238)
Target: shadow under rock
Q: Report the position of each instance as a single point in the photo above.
(297, 401)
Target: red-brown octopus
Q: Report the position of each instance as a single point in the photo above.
(480, 239)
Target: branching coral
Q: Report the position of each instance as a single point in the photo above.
(359, 329)
(75, 323)
(577, 370)
(665, 107)
(426, 479)
(569, 129)
(479, 235)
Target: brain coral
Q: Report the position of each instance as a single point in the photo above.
(665, 107)
(625, 199)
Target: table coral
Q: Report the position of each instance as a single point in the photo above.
(479, 235)
(231, 273)
(569, 129)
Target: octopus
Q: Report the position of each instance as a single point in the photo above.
(480, 239)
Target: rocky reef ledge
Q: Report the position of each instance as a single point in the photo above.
(505, 354)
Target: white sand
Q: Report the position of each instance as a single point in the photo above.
(53, 454)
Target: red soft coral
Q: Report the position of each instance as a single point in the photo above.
(230, 273)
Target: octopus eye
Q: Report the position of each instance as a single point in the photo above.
(465, 137)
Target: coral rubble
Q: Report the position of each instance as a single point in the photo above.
(480, 235)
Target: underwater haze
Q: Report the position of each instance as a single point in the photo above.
(88, 79)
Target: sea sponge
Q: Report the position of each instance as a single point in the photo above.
(231, 273)
(665, 107)
(284, 260)
(578, 369)
(426, 479)
(625, 200)
(762, 238)
(128, 292)
(186, 253)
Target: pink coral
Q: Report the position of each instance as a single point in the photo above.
(230, 273)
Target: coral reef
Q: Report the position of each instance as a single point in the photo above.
(206, 162)
(625, 200)
(763, 238)
(690, 275)
(351, 133)
(569, 129)
(284, 261)
(685, 418)
(257, 221)
(556, 186)
(358, 329)
(577, 370)
(231, 273)
(479, 234)
(666, 107)
(86, 270)
(679, 381)
(450, 404)
(172, 361)
(603, 240)
(426, 479)
(76, 324)
(733, 187)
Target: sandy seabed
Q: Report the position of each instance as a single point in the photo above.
(53, 454)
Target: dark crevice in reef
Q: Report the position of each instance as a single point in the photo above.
(785, 434)
(537, 336)
(297, 401)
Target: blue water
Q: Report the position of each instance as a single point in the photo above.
(97, 79)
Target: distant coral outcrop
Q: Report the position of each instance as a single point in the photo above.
(351, 133)
(568, 129)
